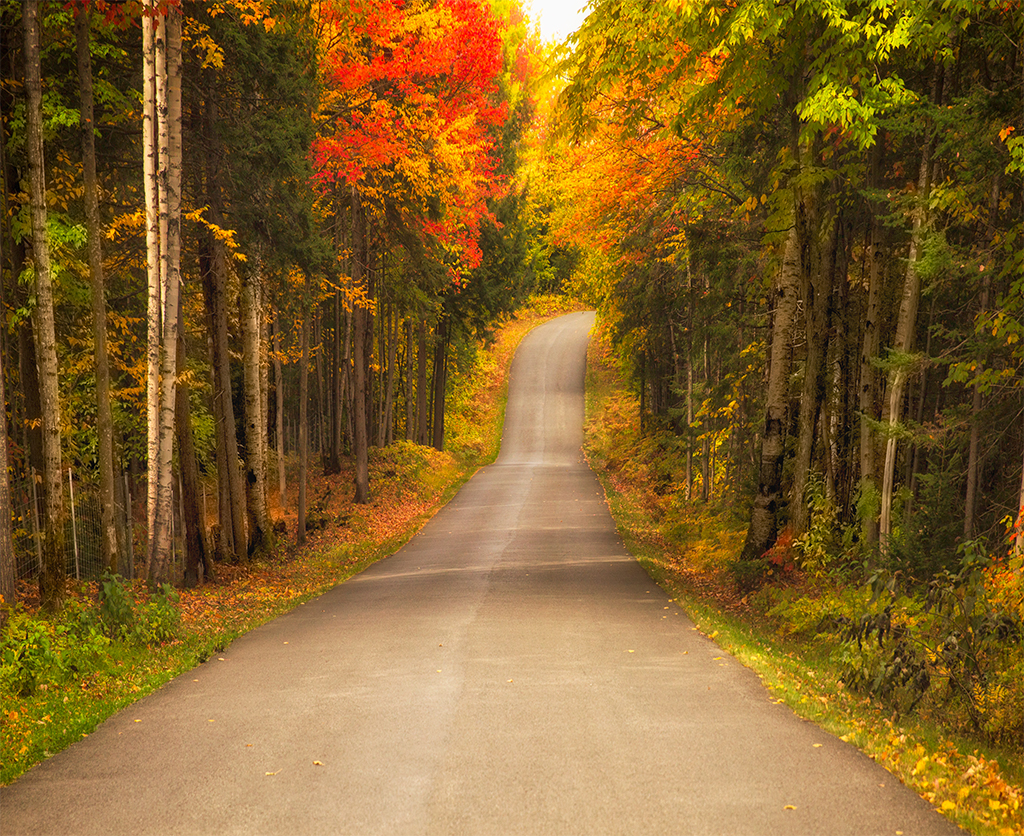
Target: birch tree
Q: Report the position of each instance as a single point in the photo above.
(162, 80)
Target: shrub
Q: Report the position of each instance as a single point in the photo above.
(36, 652)
(956, 649)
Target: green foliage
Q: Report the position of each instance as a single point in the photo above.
(152, 621)
(954, 649)
(37, 652)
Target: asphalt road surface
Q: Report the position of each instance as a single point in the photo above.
(511, 670)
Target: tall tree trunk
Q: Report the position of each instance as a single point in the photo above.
(150, 165)
(360, 404)
(279, 428)
(104, 415)
(410, 402)
(867, 391)
(421, 381)
(53, 576)
(7, 567)
(332, 455)
(764, 517)
(974, 454)
(689, 376)
(907, 319)
(196, 552)
(168, 66)
(387, 430)
(818, 268)
(261, 532)
(904, 339)
(215, 292)
(300, 533)
(440, 381)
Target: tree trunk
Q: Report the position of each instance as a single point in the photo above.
(904, 340)
(279, 428)
(198, 565)
(440, 381)
(421, 382)
(261, 532)
(215, 291)
(332, 455)
(764, 518)
(7, 567)
(168, 77)
(867, 392)
(300, 533)
(410, 402)
(387, 431)
(104, 416)
(974, 454)
(907, 320)
(818, 268)
(8, 570)
(689, 377)
(53, 576)
(360, 402)
(150, 164)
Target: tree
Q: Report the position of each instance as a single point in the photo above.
(162, 67)
(104, 415)
(53, 575)
(7, 563)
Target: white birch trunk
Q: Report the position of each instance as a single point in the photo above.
(151, 191)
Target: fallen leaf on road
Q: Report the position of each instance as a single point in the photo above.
(317, 763)
(789, 807)
(271, 773)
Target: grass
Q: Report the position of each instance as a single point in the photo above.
(687, 550)
(81, 675)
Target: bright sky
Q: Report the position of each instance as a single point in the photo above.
(557, 18)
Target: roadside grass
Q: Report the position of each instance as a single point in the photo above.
(688, 548)
(62, 675)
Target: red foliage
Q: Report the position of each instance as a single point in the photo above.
(411, 103)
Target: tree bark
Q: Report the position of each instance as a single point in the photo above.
(974, 449)
(300, 533)
(440, 381)
(410, 402)
(198, 565)
(168, 65)
(421, 381)
(907, 320)
(867, 391)
(215, 291)
(360, 405)
(7, 566)
(817, 273)
(150, 165)
(764, 518)
(104, 415)
(53, 576)
(261, 532)
(904, 340)
(279, 428)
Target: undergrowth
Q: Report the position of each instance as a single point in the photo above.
(927, 679)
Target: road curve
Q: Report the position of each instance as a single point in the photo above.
(511, 670)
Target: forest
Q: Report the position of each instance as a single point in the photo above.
(238, 233)
(235, 232)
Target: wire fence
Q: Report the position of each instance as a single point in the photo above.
(82, 534)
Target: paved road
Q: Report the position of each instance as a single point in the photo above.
(511, 670)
